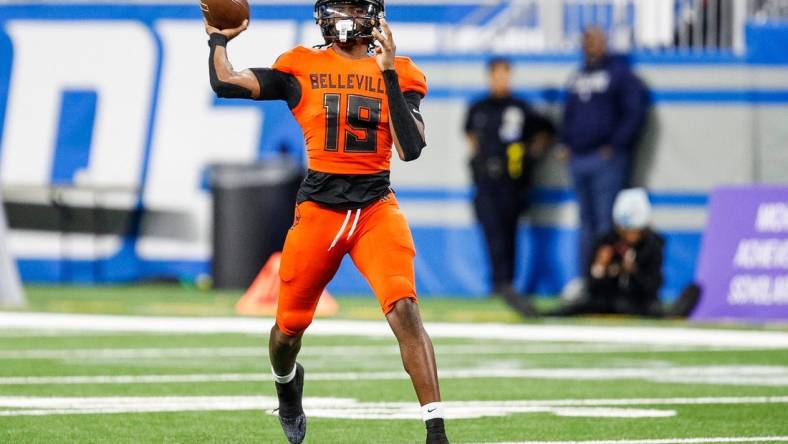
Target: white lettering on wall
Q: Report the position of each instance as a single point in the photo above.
(772, 217)
(191, 133)
(758, 290)
(114, 58)
(767, 255)
(762, 253)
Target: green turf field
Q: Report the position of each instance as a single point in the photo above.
(191, 387)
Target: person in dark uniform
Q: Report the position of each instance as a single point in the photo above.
(506, 136)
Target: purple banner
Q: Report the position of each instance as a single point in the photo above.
(743, 266)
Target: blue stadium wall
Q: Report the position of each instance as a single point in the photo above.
(115, 97)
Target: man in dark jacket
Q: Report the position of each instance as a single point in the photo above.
(626, 273)
(603, 116)
(506, 137)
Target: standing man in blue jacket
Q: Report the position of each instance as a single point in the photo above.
(604, 113)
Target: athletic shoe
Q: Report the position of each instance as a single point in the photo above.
(291, 413)
(519, 303)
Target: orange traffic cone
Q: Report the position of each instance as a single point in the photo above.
(261, 297)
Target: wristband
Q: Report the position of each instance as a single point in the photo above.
(218, 39)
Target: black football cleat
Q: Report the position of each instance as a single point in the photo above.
(518, 302)
(436, 433)
(291, 412)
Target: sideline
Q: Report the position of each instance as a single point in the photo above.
(685, 336)
(342, 350)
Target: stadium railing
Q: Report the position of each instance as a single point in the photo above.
(652, 25)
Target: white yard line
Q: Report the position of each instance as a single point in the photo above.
(354, 409)
(315, 407)
(517, 332)
(338, 350)
(722, 375)
(759, 439)
(47, 333)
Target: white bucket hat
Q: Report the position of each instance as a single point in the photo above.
(632, 209)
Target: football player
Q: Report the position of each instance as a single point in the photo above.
(354, 99)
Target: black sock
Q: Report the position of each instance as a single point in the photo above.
(289, 398)
(435, 425)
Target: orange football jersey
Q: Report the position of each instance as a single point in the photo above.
(343, 110)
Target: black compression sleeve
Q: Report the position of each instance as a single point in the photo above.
(277, 85)
(405, 127)
(223, 89)
(414, 101)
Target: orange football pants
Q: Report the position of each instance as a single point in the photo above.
(376, 237)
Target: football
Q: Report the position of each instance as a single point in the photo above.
(225, 14)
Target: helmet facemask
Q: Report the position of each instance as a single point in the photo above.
(348, 21)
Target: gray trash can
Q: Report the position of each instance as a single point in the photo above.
(252, 210)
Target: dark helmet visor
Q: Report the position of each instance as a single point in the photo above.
(347, 20)
(346, 10)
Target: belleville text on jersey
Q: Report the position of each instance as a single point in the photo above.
(347, 81)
